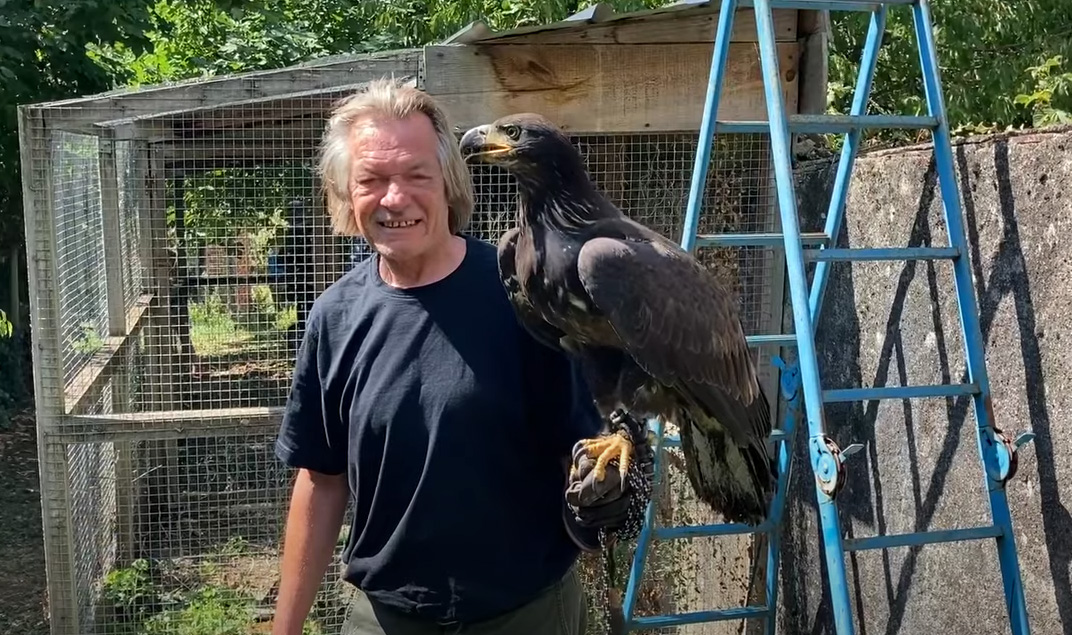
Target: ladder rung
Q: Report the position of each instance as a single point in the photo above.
(921, 538)
(829, 5)
(699, 617)
(779, 339)
(832, 124)
(899, 392)
(757, 240)
(882, 253)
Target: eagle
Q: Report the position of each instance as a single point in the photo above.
(656, 334)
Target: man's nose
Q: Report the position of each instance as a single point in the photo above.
(396, 198)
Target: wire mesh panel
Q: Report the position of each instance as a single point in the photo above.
(187, 246)
(79, 248)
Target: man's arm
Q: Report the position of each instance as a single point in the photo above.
(317, 506)
(312, 439)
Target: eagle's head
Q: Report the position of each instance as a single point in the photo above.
(525, 144)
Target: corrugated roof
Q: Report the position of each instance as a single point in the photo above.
(600, 13)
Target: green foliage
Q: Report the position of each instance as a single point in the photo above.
(43, 56)
(179, 597)
(992, 52)
(1051, 86)
(6, 328)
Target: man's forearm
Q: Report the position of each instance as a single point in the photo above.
(317, 507)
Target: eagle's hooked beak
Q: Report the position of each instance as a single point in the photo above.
(483, 142)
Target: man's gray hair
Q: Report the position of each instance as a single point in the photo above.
(386, 98)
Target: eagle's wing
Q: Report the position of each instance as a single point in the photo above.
(539, 328)
(678, 323)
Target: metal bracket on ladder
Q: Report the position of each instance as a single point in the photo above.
(800, 383)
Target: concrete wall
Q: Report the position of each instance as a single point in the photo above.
(892, 323)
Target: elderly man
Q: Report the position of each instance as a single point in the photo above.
(418, 396)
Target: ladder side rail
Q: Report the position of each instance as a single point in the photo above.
(992, 450)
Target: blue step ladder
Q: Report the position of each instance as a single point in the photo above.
(800, 383)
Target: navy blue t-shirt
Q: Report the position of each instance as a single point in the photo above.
(453, 426)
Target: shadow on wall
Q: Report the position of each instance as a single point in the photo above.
(892, 576)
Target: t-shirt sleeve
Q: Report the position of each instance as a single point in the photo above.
(311, 436)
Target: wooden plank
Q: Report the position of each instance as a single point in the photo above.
(187, 123)
(170, 425)
(679, 27)
(601, 88)
(77, 114)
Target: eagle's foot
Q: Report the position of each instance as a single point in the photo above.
(608, 448)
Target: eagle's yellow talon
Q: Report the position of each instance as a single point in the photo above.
(606, 449)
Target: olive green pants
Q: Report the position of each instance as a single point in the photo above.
(559, 610)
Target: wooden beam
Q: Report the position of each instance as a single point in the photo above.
(188, 123)
(678, 27)
(601, 88)
(172, 424)
(55, 494)
(79, 114)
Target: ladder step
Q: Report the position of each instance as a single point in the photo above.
(832, 124)
(830, 5)
(757, 240)
(921, 538)
(779, 339)
(699, 617)
(899, 392)
(882, 253)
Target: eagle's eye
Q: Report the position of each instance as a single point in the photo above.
(512, 131)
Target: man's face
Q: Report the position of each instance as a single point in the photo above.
(396, 187)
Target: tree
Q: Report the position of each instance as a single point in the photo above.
(1001, 62)
(43, 56)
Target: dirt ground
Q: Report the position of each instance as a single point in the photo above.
(22, 562)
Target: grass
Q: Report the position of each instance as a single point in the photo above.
(228, 592)
(217, 331)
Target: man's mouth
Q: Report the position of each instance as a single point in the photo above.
(399, 224)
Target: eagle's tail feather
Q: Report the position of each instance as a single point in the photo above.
(735, 481)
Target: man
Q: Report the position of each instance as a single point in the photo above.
(417, 395)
